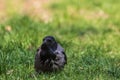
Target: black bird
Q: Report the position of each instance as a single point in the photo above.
(50, 56)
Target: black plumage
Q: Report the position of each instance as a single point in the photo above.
(50, 56)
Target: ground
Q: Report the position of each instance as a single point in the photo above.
(89, 30)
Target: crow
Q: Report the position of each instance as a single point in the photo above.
(50, 56)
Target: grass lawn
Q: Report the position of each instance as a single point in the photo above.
(89, 30)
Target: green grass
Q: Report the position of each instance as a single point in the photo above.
(92, 45)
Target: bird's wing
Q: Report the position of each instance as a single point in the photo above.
(61, 58)
(37, 60)
(59, 48)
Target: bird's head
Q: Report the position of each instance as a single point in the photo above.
(49, 41)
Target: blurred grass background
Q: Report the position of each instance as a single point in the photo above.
(88, 30)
